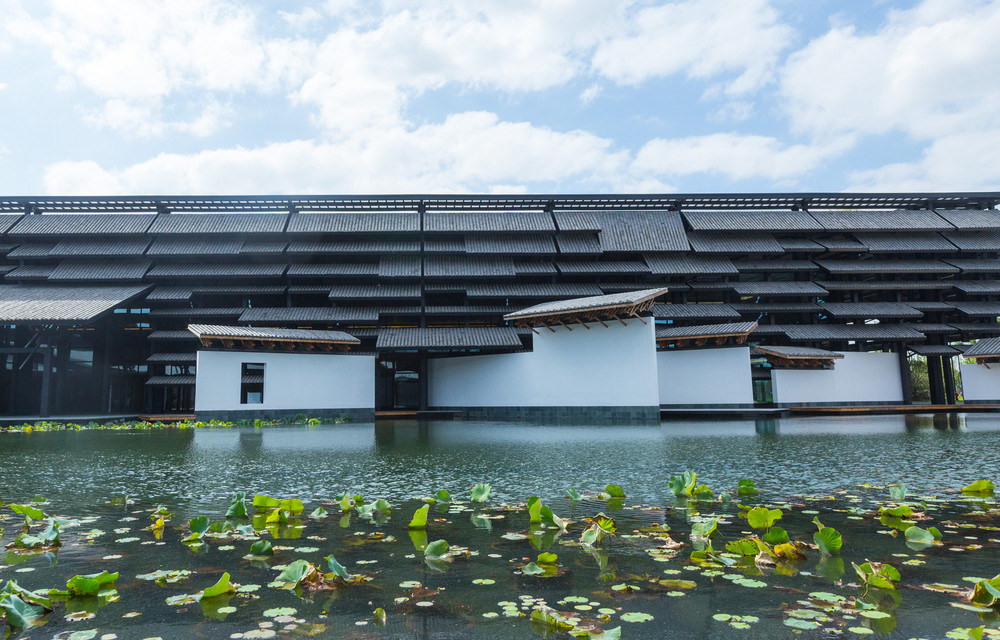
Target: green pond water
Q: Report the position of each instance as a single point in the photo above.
(807, 467)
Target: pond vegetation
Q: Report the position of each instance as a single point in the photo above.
(587, 563)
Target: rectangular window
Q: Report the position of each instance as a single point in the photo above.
(252, 383)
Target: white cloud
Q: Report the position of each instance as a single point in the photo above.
(928, 72)
(591, 93)
(960, 162)
(699, 38)
(472, 151)
(734, 156)
(303, 19)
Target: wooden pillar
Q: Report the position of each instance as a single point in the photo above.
(936, 379)
(43, 408)
(904, 374)
(423, 382)
(949, 379)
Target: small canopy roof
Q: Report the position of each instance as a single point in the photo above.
(61, 305)
(798, 357)
(593, 308)
(935, 350)
(987, 349)
(247, 337)
(701, 334)
(448, 338)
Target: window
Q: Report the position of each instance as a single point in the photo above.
(252, 383)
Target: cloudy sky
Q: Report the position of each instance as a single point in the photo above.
(102, 97)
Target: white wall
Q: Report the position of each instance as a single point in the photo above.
(295, 381)
(613, 366)
(980, 383)
(859, 377)
(705, 376)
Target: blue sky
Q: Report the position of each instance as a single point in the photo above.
(105, 97)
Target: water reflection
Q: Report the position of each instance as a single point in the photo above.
(196, 469)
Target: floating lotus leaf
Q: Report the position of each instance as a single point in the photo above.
(682, 485)
(442, 496)
(746, 488)
(877, 575)
(762, 517)
(828, 540)
(573, 494)
(262, 502)
(897, 492)
(614, 492)
(534, 505)
(775, 535)
(261, 548)
(900, 511)
(986, 593)
(336, 568)
(19, 613)
(222, 587)
(91, 584)
(419, 520)
(982, 487)
(437, 548)
(238, 507)
(481, 492)
(919, 536)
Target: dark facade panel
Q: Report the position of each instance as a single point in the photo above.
(94, 247)
(509, 243)
(355, 222)
(640, 231)
(399, 266)
(873, 220)
(910, 242)
(778, 288)
(245, 270)
(688, 264)
(733, 242)
(359, 247)
(472, 221)
(374, 291)
(195, 247)
(341, 269)
(751, 221)
(971, 218)
(579, 243)
(577, 221)
(83, 269)
(975, 240)
(886, 266)
(93, 224)
(602, 266)
(241, 223)
(468, 266)
(532, 290)
(870, 310)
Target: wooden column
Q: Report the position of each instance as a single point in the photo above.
(936, 379)
(904, 374)
(949, 379)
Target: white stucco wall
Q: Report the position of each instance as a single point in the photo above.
(292, 381)
(980, 383)
(705, 376)
(613, 366)
(859, 377)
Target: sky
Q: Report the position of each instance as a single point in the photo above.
(202, 97)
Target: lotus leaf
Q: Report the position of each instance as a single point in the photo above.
(551, 619)
(48, 537)
(877, 575)
(534, 505)
(986, 593)
(592, 535)
(91, 584)
(775, 535)
(547, 558)
(919, 536)
(897, 492)
(261, 548)
(198, 525)
(743, 547)
(419, 520)
(573, 494)
(702, 492)
(19, 613)
(261, 502)
(606, 523)
(336, 568)
(382, 506)
(984, 487)
(547, 517)
(614, 491)
(222, 587)
(238, 507)
(437, 548)
(682, 485)
(900, 511)
(294, 573)
(762, 517)
(380, 617)
(828, 540)
(481, 492)
(318, 513)
(442, 496)
(746, 488)
(934, 532)
(532, 569)
(29, 512)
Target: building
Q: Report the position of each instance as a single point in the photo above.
(791, 294)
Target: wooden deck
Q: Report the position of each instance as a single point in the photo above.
(906, 408)
(167, 417)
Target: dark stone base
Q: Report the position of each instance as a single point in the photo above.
(859, 403)
(562, 415)
(351, 415)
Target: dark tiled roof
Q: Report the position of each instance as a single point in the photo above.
(240, 289)
(92, 247)
(750, 221)
(527, 267)
(974, 329)
(688, 264)
(342, 269)
(31, 272)
(399, 266)
(271, 333)
(83, 224)
(886, 266)
(464, 266)
(975, 240)
(621, 302)
(579, 243)
(776, 307)
(887, 285)
(799, 352)
(778, 288)
(7, 220)
(97, 269)
(911, 242)
(509, 243)
(199, 312)
(934, 350)
(33, 250)
(577, 221)
(167, 381)
(728, 329)
(931, 305)
(20, 304)
(633, 231)
(449, 338)
(671, 311)
(444, 245)
(173, 357)
(981, 287)
(972, 218)
(975, 265)
(196, 247)
(263, 246)
(359, 246)
(870, 310)
(532, 290)
(354, 222)
(935, 328)
(310, 314)
(817, 332)
(602, 266)
(842, 244)
(734, 242)
(776, 265)
(170, 293)
(219, 223)
(466, 221)
(800, 245)
(987, 347)
(245, 270)
(979, 309)
(471, 310)
(374, 291)
(873, 220)
(173, 334)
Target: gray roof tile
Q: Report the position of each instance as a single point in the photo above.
(169, 381)
(310, 314)
(911, 242)
(374, 291)
(577, 221)
(934, 350)
(32, 250)
(8, 220)
(257, 245)
(870, 310)
(219, 223)
(531, 290)
(734, 242)
(31, 272)
(20, 304)
(53, 224)
(842, 244)
(637, 231)
(354, 222)
(699, 311)
(110, 246)
(246, 270)
(975, 265)
(602, 266)
(79, 269)
(873, 220)
(688, 264)
(778, 288)
(359, 246)
(342, 269)
(465, 266)
(198, 312)
(751, 221)
(399, 266)
(170, 293)
(181, 358)
(705, 330)
(842, 332)
(776, 265)
(978, 287)
(979, 309)
(196, 247)
(776, 307)
(800, 245)
(271, 333)
(579, 243)
(623, 300)
(171, 334)
(974, 329)
(972, 218)
(975, 240)
(985, 347)
(468, 310)
(886, 285)
(509, 243)
(886, 266)
(448, 338)
(527, 267)
(444, 245)
(465, 221)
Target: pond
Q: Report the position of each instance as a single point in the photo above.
(637, 583)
